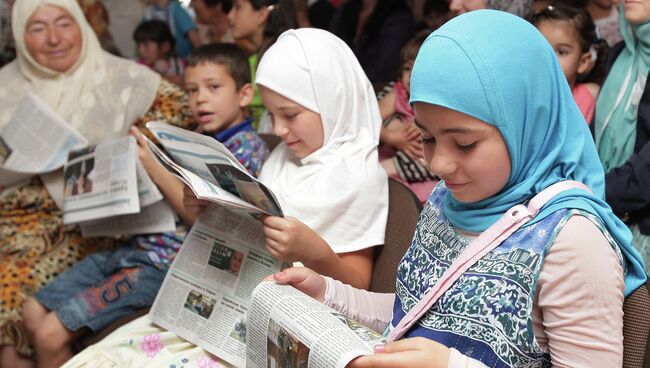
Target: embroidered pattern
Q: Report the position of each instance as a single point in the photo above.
(151, 345)
(487, 313)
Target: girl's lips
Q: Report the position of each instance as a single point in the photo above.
(455, 186)
(289, 144)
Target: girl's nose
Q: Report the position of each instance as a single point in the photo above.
(441, 163)
(280, 129)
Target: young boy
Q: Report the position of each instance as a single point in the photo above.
(180, 23)
(108, 285)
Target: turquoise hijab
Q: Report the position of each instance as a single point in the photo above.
(618, 101)
(498, 68)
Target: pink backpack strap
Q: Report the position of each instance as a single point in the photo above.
(492, 237)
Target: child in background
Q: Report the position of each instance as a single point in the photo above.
(401, 151)
(155, 47)
(325, 175)
(606, 17)
(179, 21)
(258, 23)
(214, 15)
(549, 293)
(582, 55)
(435, 13)
(108, 285)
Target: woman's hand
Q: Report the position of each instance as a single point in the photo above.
(416, 352)
(193, 206)
(289, 240)
(303, 279)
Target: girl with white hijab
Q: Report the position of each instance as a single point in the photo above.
(326, 173)
(323, 107)
(59, 59)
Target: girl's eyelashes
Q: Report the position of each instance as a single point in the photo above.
(290, 116)
(214, 86)
(562, 51)
(466, 147)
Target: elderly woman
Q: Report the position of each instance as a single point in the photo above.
(60, 60)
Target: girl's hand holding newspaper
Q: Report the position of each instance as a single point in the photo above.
(289, 240)
(303, 279)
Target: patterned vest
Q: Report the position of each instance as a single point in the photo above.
(487, 313)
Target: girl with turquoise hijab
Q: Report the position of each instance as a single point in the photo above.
(622, 125)
(499, 126)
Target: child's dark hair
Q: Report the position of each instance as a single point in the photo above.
(226, 5)
(154, 30)
(411, 48)
(226, 54)
(588, 37)
(282, 17)
(435, 7)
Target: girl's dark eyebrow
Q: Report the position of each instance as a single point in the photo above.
(447, 131)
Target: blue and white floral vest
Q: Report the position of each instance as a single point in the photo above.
(487, 313)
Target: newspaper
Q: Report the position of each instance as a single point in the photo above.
(211, 170)
(100, 181)
(206, 293)
(287, 328)
(156, 215)
(35, 141)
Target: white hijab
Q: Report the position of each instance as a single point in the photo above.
(100, 96)
(340, 190)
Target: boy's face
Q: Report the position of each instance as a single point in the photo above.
(149, 52)
(214, 98)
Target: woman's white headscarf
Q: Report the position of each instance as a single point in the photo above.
(100, 96)
(340, 190)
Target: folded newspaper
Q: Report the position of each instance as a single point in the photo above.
(108, 192)
(206, 293)
(287, 328)
(211, 170)
(34, 141)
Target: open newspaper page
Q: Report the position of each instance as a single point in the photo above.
(156, 215)
(287, 328)
(100, 181)
(206, 293)
(211, 170)
(35, 141)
